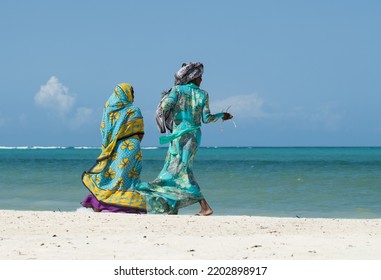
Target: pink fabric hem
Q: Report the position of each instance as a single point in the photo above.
(91, 202)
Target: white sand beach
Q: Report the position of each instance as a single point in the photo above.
(46, 235)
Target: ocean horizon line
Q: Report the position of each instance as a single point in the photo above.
(165, 147)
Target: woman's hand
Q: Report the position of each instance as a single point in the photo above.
(227, 116)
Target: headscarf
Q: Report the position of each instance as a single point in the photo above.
(120, 118)
(188, 72)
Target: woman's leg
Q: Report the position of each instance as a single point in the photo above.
(205, 208)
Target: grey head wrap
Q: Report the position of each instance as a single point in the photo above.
(188, 72)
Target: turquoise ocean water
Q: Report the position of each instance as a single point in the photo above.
(282, 182)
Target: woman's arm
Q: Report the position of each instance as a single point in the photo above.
(207, 117)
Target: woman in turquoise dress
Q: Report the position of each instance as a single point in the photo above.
(113, 179)
(176, 187)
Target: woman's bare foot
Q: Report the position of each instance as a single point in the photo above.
(205, 213)
(205, 209)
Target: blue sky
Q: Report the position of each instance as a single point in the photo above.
(294, 73)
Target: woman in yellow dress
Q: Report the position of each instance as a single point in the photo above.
(113, 179)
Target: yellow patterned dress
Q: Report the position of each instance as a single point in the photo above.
(114, 177)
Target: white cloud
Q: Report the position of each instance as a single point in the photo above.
(249, 106)
(327, 116)
(54, 96)
(82, 116)
(57, 99)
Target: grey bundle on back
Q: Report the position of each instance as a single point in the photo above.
(164, 120)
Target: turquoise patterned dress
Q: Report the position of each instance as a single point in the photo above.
(176, 186)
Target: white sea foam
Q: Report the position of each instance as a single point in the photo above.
(14, 148)
(83, 210)
(86, 148)
(44, 147)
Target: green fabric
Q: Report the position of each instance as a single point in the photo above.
(168, 138)
(176, 187)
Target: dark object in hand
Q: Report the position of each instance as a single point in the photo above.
(227, 116)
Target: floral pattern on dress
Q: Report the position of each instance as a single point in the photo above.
(176, 186)
(114, 177)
